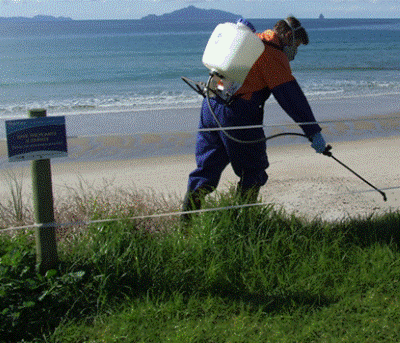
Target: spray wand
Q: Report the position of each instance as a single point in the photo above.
(327, 152)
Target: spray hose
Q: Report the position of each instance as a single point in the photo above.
(205, 92)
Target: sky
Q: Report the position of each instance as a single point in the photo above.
(136, 9)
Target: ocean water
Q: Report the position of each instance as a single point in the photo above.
(83, 67)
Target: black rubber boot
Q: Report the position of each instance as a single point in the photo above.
(191, 202)
(247, 195)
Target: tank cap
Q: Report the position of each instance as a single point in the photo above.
(246, 23)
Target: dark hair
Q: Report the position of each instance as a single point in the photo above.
(286, 25)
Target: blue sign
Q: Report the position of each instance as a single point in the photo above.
(36, 138)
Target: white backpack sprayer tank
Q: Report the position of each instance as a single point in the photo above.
(230, 53)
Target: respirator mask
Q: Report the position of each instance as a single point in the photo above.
(290, 52)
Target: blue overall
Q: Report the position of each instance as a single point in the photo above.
(214, 150)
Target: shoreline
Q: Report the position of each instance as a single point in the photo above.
(300, 181)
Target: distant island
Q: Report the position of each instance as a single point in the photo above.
(193, 14)
(35, 18)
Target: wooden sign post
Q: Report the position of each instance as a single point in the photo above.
(42, 189)
(39, 139)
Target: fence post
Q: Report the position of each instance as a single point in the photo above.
(46, 246)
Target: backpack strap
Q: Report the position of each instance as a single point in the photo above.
(276, 46)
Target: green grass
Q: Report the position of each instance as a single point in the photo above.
(241, 275)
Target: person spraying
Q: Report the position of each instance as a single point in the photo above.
(237, 99)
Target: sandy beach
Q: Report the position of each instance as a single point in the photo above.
(300, 180)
